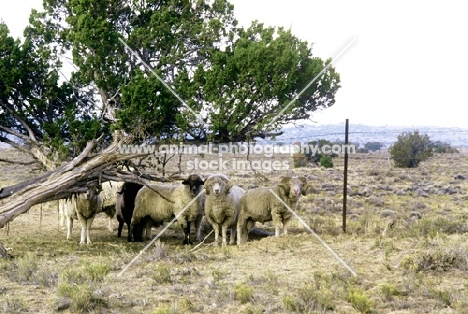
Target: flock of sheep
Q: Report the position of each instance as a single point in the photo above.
(216, 200)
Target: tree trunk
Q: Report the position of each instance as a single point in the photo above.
(60, 183)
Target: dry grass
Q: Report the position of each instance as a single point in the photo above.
(406, 239)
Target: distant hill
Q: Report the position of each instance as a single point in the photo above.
(362, 134)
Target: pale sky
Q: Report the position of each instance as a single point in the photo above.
(407, 66)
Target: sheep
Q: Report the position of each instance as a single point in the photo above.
(261, 205)
(222, 205)
(109, 199)
(125, 204)
(83, 206)
(151, 205)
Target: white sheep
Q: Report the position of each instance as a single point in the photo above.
(151, 207)
(222, 205)
(83, 207)
(262, 205)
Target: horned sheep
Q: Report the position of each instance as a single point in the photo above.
(222, 205)
(83, 207)
(262, 205)
(160, 203)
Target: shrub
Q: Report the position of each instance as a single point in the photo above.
(244, 293)
(373, 146)
(79, 286)
(326, 162)
(315, 156)
(299, 160)
(444, 148)
(389, 291)
(162, 274)
(360, 301)
(411, 149)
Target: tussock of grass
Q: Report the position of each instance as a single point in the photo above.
(360, 300)
(162, 274)
(244, 293)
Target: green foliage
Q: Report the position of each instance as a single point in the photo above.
(162, 274)
(239, 78)
(299, 160)
(411, 149)
(389, 291)
(326, 162)
(29, 269)
(244, 293)
(35, 105)
(263, 64)
(360, 300)
(444, 148)
(13, 304)
(310, 298)
(82, 285)
(315, 154)
(318, 152)
(373, 146)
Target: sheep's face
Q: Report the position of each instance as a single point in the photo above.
(195, 183)
(217, 186)
(294, 187)
(93, 190)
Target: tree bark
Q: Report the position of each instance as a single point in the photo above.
(65, 180)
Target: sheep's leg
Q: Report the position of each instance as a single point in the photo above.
(232, 235)
(129, 233)
(134, 231)
(148, 226)
(83, 229)
(83, 235)
(249, 225)
(241, 225)
(187, 234)
(69, 227)
(216, 233)
(277, 223)
(111, 225)
(89, 222)
(285, 226)
(224, 234)
(199, 226)
(120, 227)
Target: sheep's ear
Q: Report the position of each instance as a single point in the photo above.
(304, 189)
(186, 182)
